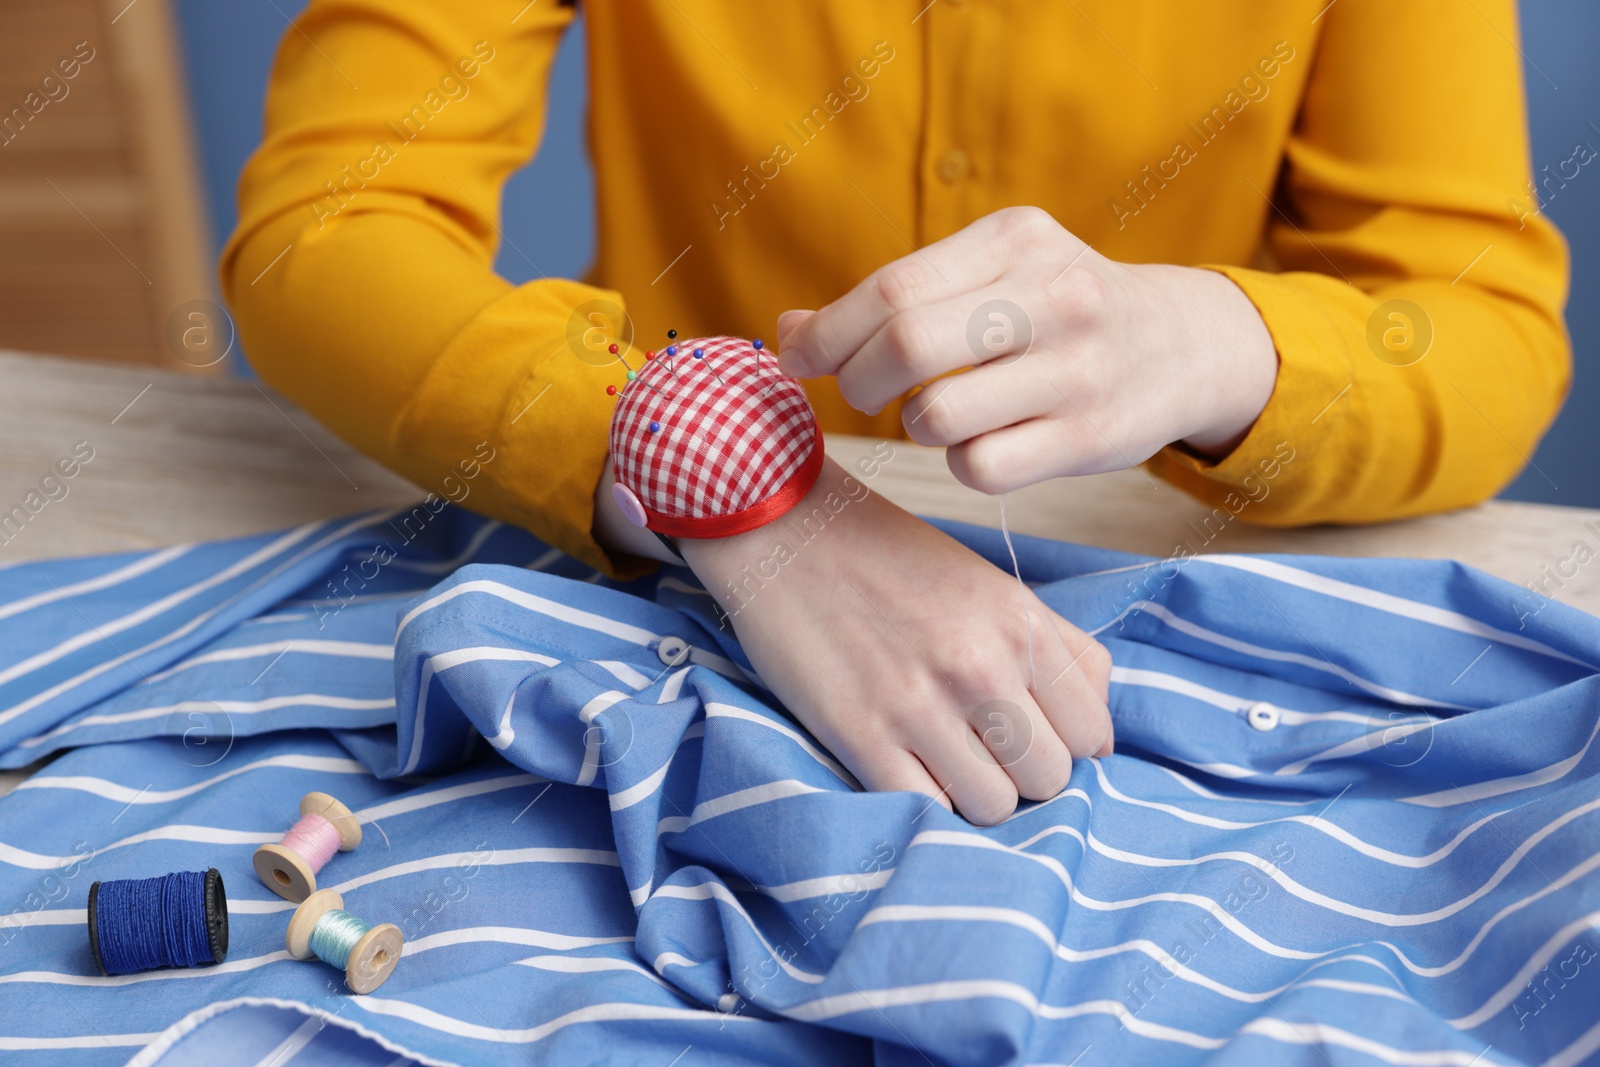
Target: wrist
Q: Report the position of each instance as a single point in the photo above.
(1222, 337)
(714, 558)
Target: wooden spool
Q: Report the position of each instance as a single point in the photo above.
(285, 871)
(372, 959)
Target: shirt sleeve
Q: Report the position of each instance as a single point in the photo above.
(1406, 178)
(361, 272)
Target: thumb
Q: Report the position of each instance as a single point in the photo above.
(791, 359)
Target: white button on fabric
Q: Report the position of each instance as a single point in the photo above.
(672, 650)
(1262, 716)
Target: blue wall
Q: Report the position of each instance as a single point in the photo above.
(549, 206)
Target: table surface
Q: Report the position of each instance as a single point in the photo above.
(183, 458)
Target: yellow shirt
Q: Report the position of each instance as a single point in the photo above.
(753, 157)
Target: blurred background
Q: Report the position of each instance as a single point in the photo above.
(117, 192)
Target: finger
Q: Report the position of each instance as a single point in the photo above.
(894, 770)
(1033, 451)
(983, 400)
(1025, 745)
(978, 786)
(788, 321)
(1070, 686)
(922, 342)
(968, 259)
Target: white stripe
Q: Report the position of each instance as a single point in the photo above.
(132, 570)
(504, 733)
(498, 858)
(897, 913)
(1295, 888)
(1313, 1033)
(545, 560)
(18, 857)
(291, 1046)
(449, 566)
(827, 885)
(963, 839)
(594, 965)
(624, 673)
(123, 794)
(593, 1013)
(94, 1040)
(1521, 981)
(302, 646)
(674, 686)
(232, 707)
(1201, 791)
(1577, 1052)
(723, 895)
(444, 661)
(674, 959)
(981, 989)
(1495, 787)
(593, 738)
(505, 935)
(195, 623)
(1386, 602)
(574, 616)
(418, 802)
(1200, 633)
(1172, 683)
(736, 801)
(1366, 743)
(717, 710)
(1316, 822)
(156, 608)
(508, 935)
(627, 798)
(1296, 1033)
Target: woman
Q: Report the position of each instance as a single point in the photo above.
(1223, 239)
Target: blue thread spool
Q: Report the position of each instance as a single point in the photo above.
(171, 920)
(322, 928)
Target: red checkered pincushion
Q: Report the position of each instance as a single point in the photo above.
(734, 445)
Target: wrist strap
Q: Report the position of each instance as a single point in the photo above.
(710, 440)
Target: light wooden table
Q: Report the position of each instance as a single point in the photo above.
(181, 458)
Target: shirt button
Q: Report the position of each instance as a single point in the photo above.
(954, 165)
(1262, 716)
(672, 650)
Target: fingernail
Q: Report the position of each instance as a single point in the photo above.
(788, 321)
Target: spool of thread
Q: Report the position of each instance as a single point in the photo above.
(171, 920)
(322, 928)
(289, 867)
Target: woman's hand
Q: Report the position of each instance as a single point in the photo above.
(1083, 364)
(909, 656)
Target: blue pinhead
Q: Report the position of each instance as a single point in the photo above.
(756, 344)
(655, 427)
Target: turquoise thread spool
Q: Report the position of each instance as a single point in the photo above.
(322, 928)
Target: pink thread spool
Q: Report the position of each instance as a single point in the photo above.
(289, 867)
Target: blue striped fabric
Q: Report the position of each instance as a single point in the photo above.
(599, 858)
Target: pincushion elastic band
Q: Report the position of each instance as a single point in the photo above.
(758, 515)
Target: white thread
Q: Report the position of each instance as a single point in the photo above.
(1022, 591)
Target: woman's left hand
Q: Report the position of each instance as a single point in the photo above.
(1083, 364)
